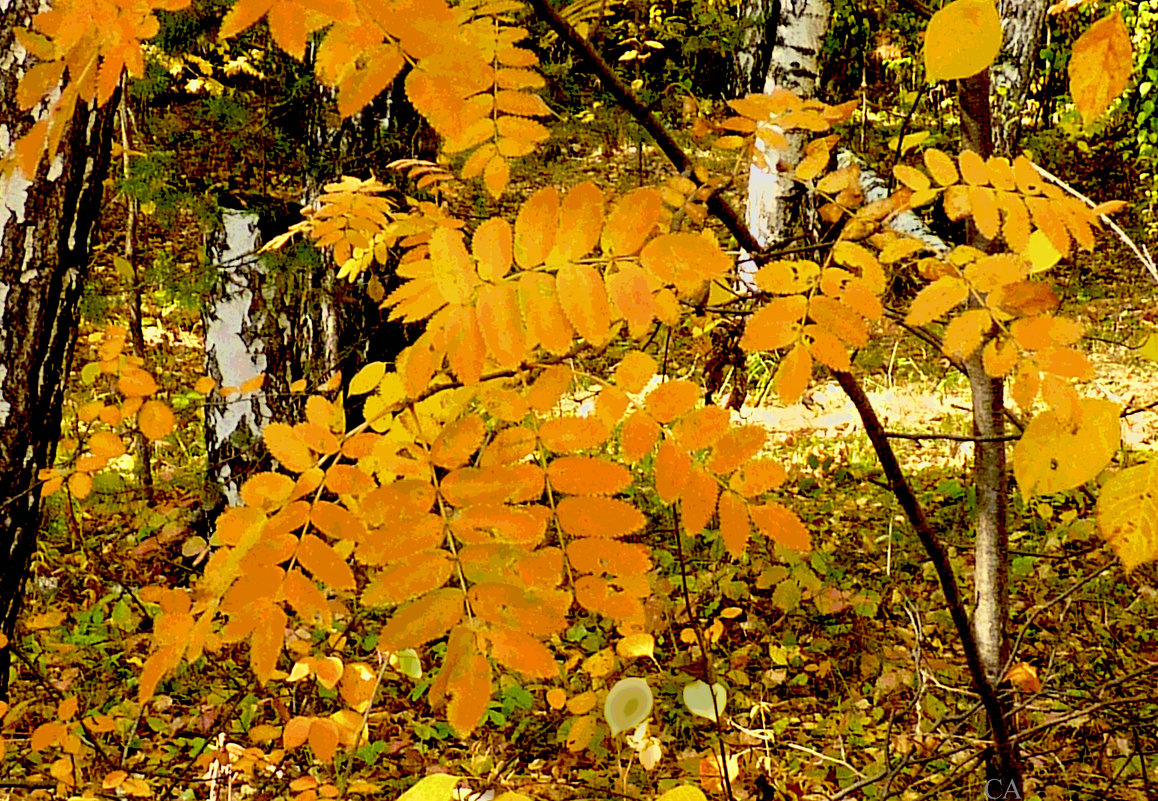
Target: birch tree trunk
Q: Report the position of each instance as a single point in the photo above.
(279, 323)
(774, 198)
(45, 224)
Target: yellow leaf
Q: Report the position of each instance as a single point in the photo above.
(962, 39)
(204, 385)
(287, 447)
(323, 562)
(492, 245)
(155, 420)
(936, 299)
(793, 374)
(631, 222)
(435, 787)
(501, 324)
(535, 228)
(684, 792)
(458, 441)
(983, 203)
(999, 357)
(1128, 514)
(580, 223)
(631, 297)
(775, 325)
(965, 332)
(1053, 456)
(636, 645)
(734, 526)
(1100, 66)
(1040, 252)
(911, 177)
(423, 620)
(583, 296)
(366, 379)
(581, 733)
(557, 698)
(940, 166)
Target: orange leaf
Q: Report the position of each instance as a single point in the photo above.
(493, 245)
(974, 170)
(323, 738)
(522, 653)
(999, 357)
(267, 490)
(583, 296)
(155, 420)
(758, 476)
(703, 427)
(734, 528)
(501, 323)
(136, 384)
(423, 620)
(243, 14)
(598, 517)
(672, 468)
(736, 447)
(535, 227)
(793, 374)
(1017, 229)
(570, 434)
(80, 485)
(106, 444)
(698, 501)
(287, 447)
(465, 349)
(634, 371)
(597, 555)
(685, 261)
(983, 202)
(775, 325)
(631, 221)
(324, 563)
(1046, 218)
(672, 399)
(580, 222)
(458, 441)
(296, 732)
(346, 479)
(627, 288)
(638, 436)
(781, 524)
(1100, 66)
(305, 597)
(543, 315)
(265, 644)
(509, 446)
(409, 578)
(585, 475)
(336, 521)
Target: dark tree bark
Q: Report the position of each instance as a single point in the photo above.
(45, 224)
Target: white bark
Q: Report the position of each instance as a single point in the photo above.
(795, 66)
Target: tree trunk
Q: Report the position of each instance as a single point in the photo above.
(750, 64)
(45, 224)
(1022, 21)
(773, 196)
(260, 320)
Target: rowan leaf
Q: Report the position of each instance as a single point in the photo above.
(287, 447)
(634, 371)
(522, 653)
(493, 248)
(435, 787)
(734, 526)
(781, 524)
(587, 475)
(685, 260)
(583, 296)
(965, 332)
(457, 442)
(409, 578)
(703, 427)
(571, 434)
(638, 436)
(672, 399)
(937, 298)
(501, 323)
(673, 465)
(599, 555)
(535, 228)
(581, 516)
(1128, 514)
(1100, 66)
(793, 374)
(775, 325)
(631, 222)
(423, 620)
(698, 501)
(547, 325)
(265, 644)
(1054, 456)
(324, 563)
(632, 299)
(941, 166)
(736, 447)
(580, 223)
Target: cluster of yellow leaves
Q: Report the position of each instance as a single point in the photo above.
(767, 118)
(93, 41)
(1013, 318)
(153, 418)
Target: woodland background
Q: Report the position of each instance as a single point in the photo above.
(843, 672)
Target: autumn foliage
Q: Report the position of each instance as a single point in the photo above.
(496, 483)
